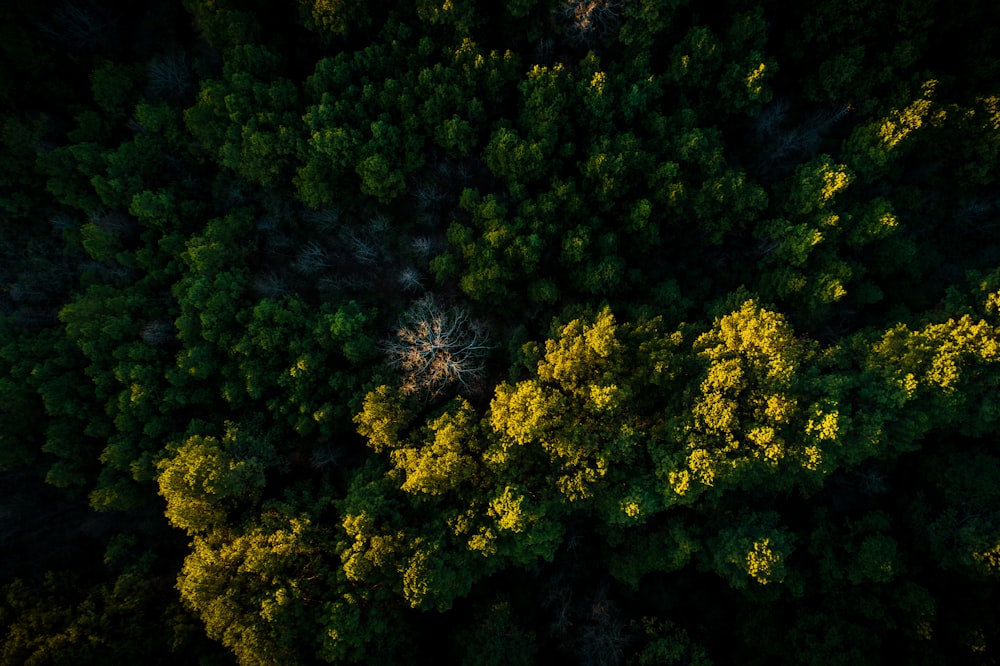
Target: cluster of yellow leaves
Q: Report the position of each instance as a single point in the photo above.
(936, 355)
(745, 405)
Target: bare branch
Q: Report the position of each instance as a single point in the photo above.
(326, 456)
(80, 24)
(437, 347)
(270, 285)
(311, 259)
(590, 21)
(378, 224)
(158, 332)
(364, 246)
(410, 280)
(168, 76)
(428, 194)
(326, 220)
(422, 246)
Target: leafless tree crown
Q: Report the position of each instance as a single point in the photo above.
(590, 21)
(158, 332)
(437, 347)
(168, 76)
(409, 279)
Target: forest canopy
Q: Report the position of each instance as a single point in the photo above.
(536, 331)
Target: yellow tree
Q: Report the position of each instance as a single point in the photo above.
(745, 418)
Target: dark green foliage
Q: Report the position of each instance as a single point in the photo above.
(595, 332)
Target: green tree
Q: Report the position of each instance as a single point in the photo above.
(495, 636)
(755, 549)
(205, 479)
(256, 587)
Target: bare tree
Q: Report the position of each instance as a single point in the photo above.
(603, 640)
(341, 282)
(326, 456)
(158, 332)
(61, 221)
(768, 121)
(267, 224)
(79, 24)
(168, 76)
(409, 279)
(326, 221)
(428, 194)
(784, 146)
(437, 346)
(235, 195)
(364, 248)
(312, 258)
(116, 223)
(422, 246)
(545, 51)
(378, 225)
(557, 597)
(464, 172)
(270, 285)
(591, 21)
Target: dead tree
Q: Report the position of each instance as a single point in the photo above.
(168, 76)
(591, 21)
(437, 347)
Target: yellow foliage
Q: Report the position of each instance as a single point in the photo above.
(989, 558)
(575, 485)
(437, 466)
(484, 541)
(901, 123)
(680, 481)
(603, 397)
(834, 180)
(579, 350)
(507, 510)
(522, 412)
(701, 464)
(761, 436)
(823, 425)
(759, 338)
(993, 302)
(416, 578)
(598, 82)
(813, 458)
(764, 563)
(370, 550)
(780, 408)
(755, 80)
(936, 355)
(631, 508)
(726, 374)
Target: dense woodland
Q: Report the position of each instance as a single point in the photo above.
(534, 331)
